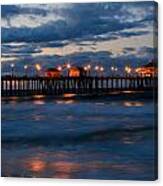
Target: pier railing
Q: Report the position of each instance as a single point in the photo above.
(26, 86)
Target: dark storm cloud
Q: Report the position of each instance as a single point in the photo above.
(60, 30)
(152, 53)
(130, 34)
(7, 11)
(19, 49)
(54, 44)
(80, 21)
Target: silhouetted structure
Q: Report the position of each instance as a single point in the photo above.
(77, 72)
(20, 86)
(52, 72)
(149, 69)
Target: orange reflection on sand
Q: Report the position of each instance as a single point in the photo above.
(36, 165)
(133, 104)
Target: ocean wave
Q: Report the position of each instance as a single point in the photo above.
(56, 139)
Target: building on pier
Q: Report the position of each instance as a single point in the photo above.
(77, 72)
(148, 70)
(53, 72)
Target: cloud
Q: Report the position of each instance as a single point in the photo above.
(130, 34)
(148, 51)
(129, 49)
(102, 57)
(19, 49)
(86, 33)
(54, 44)
(74, 21)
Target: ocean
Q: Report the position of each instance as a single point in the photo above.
(100, 137)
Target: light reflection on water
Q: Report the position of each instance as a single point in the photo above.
(38, 117)
(133, 103)
(78, 139)
(39, 102)
(69, 95)
(38, 96)
(70, 101)
(63, 168)
(36, 165)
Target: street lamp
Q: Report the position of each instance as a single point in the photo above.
(128, 70)
(68, 66)
(97, 69)
(101, 70)
(85, 69)
(59, 68)
(38, 68)
(112, 69)
(89, 69)
(115, 69)
(25, 68)
(89, 66)
(12, 69)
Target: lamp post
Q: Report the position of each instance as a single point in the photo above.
(112, 70)
(101, 70)
(97, 69)
(89, 69)
(25, 69)
(86, 69)
(128, 70)
(68, 67)
(115, 70)
(12, 69)
(38, 68)
(59, 68)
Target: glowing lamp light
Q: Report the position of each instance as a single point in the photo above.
(88, 66)
(59, 68)
(25, 67)
(116, 69)
(85, 68)
(101, 69)
(38, 67)
(68, 66)
(127, 69)
(112, 68)
(96, 68)
(12, 65)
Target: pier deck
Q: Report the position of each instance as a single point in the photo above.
(26, 86)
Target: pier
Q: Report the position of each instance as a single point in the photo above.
(28, 86)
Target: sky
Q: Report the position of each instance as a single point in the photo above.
(97, 33)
